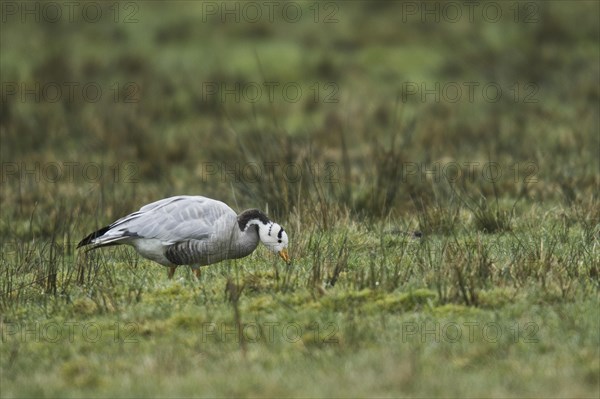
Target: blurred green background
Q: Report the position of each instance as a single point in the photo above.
(385, 100)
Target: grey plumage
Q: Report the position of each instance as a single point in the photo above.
(188, 230)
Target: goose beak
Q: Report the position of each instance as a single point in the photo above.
(284, 255)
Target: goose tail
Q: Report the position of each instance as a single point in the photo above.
(90, 238)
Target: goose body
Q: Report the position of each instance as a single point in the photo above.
(191, 230)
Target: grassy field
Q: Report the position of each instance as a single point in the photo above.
(354, 125)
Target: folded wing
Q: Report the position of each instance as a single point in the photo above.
(171, 220)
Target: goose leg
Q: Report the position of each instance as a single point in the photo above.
(197, 273)
(171, 272)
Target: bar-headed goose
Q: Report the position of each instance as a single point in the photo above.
(192, 230)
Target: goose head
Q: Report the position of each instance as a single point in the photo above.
(274, 237)
(271, 234)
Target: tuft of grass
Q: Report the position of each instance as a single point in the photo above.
(491, 219)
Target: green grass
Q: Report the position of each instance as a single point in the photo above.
(498, 298)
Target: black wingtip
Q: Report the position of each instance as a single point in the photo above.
(87, 240)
